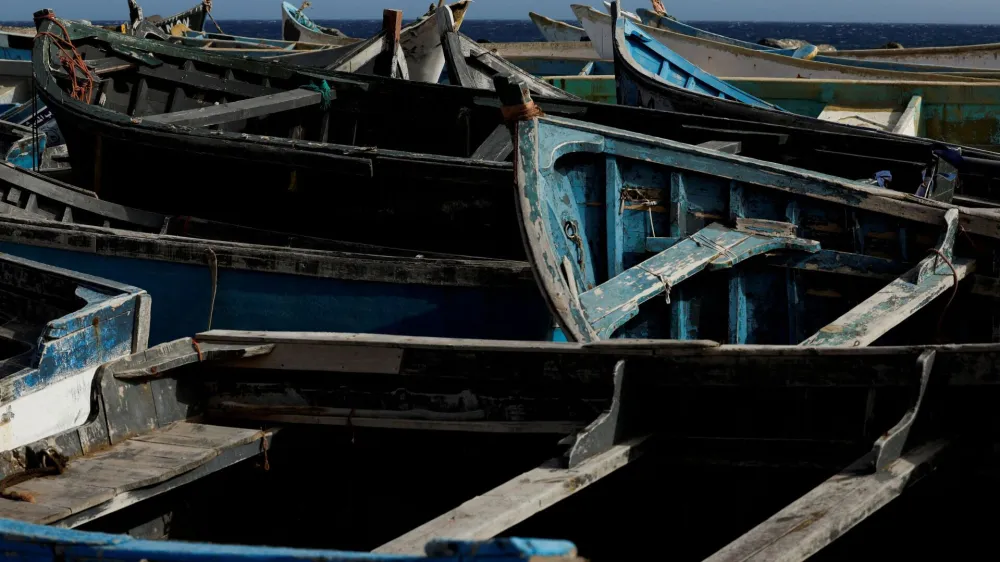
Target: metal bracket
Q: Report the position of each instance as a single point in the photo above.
(608, 429)
(889, 446)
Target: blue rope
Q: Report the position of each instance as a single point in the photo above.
(324, 90)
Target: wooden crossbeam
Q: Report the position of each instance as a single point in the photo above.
(239, 110)
(613, 303)
(900, 299)
(494, 512)
(909, 122)
(828, 511)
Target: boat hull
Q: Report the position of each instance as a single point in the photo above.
(555, 30)
(255, 299)
(730, 60)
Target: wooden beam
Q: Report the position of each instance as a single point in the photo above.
(494, 512)
(900, 299)
(386, 62)
(497, 147)
(239, 110)
(828, 511)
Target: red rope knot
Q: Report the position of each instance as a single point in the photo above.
(523, 112)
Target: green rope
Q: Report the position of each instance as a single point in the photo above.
(324, 90)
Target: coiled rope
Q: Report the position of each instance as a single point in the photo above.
(71, 60)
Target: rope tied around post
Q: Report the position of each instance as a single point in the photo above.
(324, 90)
(70, 59)
(523, 112)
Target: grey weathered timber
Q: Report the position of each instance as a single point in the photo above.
(828, 511)
(239, 110)
(889, 307)
(503, 507)
(144, 461)
(458, 70)
(497, 147)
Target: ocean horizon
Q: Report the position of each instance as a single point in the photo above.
(840, 35)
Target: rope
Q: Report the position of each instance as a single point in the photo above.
(700, 239)
(71, 60)
(523, 112)
(954, 289)
(324, 90)
(14, 479)
(663, 279)
(213, 270)
(208, 12)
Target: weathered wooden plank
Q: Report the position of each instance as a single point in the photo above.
(188, 76)
(729, 147)
(31, 512)
(497, 147)
(225, 459)
(200, 435)
(326, 358)
(381, 419)
(387, 62)
(57, 492)
(714, 247)
(129, 407)
(239, 110)
(135, 464)
(828, 511)
(503, 507)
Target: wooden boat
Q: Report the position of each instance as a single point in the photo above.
(572, 50)
(59, 326)
(471, 65)
(296, 26)
(863, 103)
(420, 41)
(192, 19)
(693, 401)
(729, 60)
(15, 46)
(983, 57)
(147, 434)
(897, 107)
(211, 274)
(408, 191)
(15, 83)
(606, 278)
(658, 21)
(556, 31)
(247, 46)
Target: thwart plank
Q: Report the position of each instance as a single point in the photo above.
(494, 512)
(140, 462)
(239, 110)
(827, 512)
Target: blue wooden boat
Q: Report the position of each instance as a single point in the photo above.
(59, 326)
(616, 225)
(883, 107)
(15, 46)
(208, 274)
(42, 544)
(674, 69)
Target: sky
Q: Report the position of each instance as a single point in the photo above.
(882, 11)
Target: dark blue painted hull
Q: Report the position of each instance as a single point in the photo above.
(255, 300)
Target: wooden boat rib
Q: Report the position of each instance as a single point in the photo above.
(205, 273)
(555, 30)
(666, 212)
(444, 192)
(723, 59)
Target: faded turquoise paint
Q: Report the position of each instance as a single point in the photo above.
(38, 543)
(553, 67)
(657, 59)
(668, 192)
